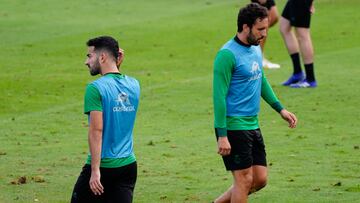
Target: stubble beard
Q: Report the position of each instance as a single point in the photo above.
(95, 69)
(252, 39)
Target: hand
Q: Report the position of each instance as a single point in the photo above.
(95, 184)
(289, 117)
(312, 8)
(224, 147)
(120, 57)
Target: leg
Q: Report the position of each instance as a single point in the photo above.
(259, 182)
(259, 178)
(288, 36)
(293, 49)
(302, 17)
(120, 183)
(243, 181)
(307, 53)
(225, 197)
(259, 167)
(306, 47)
(273, 18)
(240, 162)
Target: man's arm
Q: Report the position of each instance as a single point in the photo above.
(95, 141)
(121, 55)
(269, 96)
(312, 8)
(223, 67)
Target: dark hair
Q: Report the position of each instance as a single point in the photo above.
(106, 43)
(249, 14)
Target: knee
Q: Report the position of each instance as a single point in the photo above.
(247, 181)
(260, 183)
(283, 30)
(303, 35)
(301, 38)
(273, 21)
(284, 27)
(273, 16)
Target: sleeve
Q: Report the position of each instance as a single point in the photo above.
(92, 99)
(269, 96)
(223, 67)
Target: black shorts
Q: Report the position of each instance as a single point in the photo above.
(247, 149)
(268, 4)
(298, 12)
(118, 183)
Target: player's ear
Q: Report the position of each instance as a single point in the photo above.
(246, 28)
(102, 57)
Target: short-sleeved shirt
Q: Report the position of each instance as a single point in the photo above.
(117, 96)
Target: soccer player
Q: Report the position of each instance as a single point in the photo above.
(111, 102)
(238, 84)
(273, 18)
(297, 14)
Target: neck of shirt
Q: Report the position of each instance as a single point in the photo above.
(240, 42)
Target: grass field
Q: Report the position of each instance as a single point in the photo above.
(170, 47)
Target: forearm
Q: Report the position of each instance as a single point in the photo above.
(95, 138)
(95, 142)
(269, 96)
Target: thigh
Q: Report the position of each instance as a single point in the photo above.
(240, 157)
(243, 175)
(298, 12)
(273, 16)
(302, 33)
(286, 13)
(302, 14)
(285, 26)
(259, 173)
(258, 149)
(82, 192)
(119, 183)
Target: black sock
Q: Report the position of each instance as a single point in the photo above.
(309, 70)
(296, 62)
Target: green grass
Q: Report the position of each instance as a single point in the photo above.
(170, 47)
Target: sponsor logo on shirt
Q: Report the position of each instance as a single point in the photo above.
(255, 71)
(123, 103)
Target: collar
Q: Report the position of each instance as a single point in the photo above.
(115, 73)
(240, 42)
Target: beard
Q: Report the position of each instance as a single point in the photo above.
(252, 40)
(94, 69)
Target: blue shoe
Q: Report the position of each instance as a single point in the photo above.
(304, 84)
(295, 78)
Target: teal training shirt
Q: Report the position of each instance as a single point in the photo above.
(238, 83)
(117, 96)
